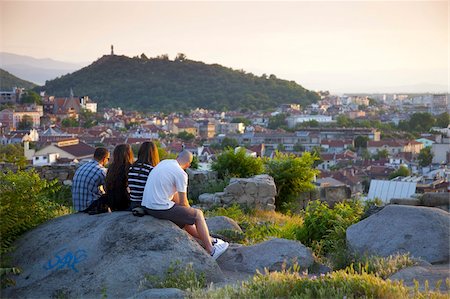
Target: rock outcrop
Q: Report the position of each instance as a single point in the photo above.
(81, 256)
(431, 273)
(222, 223)
(257, 192)
(271, 254)
(421, 231)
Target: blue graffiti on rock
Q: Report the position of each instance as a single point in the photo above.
(66, 258)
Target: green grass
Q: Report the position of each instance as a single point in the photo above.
(339, 284)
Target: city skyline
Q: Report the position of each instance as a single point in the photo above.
(339, 46)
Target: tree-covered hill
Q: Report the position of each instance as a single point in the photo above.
(162, 84)
(8, 81)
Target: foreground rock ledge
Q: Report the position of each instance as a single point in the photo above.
(82, 256)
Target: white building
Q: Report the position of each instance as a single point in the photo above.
(293, 120)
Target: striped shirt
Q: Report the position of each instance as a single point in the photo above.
(87, 181)
(137, 177)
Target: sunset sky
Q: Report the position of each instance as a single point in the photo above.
(341, 46)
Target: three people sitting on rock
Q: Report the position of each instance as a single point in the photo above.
(161, 186)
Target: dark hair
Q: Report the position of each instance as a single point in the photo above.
(100, 153)
(148, 154)
(122, 159)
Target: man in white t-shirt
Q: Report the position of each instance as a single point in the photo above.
(165, 197)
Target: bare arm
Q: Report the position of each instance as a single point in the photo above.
(180, 198)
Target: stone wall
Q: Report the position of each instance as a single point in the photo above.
(257, 192)
(63, 173)
(439, 200)
(199, 181)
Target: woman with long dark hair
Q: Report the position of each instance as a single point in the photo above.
(117, 178)
(148, 157)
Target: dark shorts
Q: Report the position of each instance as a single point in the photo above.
(180, 215)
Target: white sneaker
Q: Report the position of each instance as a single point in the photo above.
(219, 249)
(216, 241)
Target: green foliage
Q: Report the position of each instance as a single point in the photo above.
(70, 122)
(24, 204)
(382, 267)
(425, 157)
(88, 119)
(361, 141)
(292, 175)
(31, 97)
(418, 122)
(324, 227)
(228, 142)
(13, 153)
(194, 163)
(258, 226)
(25, 123)
(176, 276)
(165, 85)
(402, 171)
(241, 119)
(339, 284)
(277, 121)
(383, 154)
(443, 120)
(8, 81)
(185, 136)
(231, 163)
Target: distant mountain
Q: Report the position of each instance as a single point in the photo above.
(8, 81)
(164, 85)
(35, 70)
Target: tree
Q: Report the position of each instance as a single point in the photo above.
(228, 142)
(277, 121)
(180, 57)
(243, 120)
(361, 141)
(31, 97)
(185, 136)
(13, 153)
(292, 175)
(87, 118)
(425, 157)
(383, 154)
(69, 122)
(402, 171)
(231, 163)
(25, 123)
(443, 120)
(344, 121)
(298, 147)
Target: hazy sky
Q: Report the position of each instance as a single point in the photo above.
(342, 46)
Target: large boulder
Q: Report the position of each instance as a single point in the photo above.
(421, 231)
(271, 254)
(82, 256)
(219, 224)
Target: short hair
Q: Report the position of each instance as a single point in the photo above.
(184, 157)
(100, 153)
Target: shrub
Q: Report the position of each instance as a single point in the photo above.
(231, 163)
(292, 175)
(24, 204)
(339, 284)
(324, 228)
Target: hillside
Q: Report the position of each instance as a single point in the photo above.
(8, 81)
(165, 85)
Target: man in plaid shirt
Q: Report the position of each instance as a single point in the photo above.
(89, 179)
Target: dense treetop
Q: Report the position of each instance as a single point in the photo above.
(166, 85)
(8, 81)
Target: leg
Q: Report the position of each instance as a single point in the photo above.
(202, 230)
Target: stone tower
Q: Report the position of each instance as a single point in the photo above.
(112, 50)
